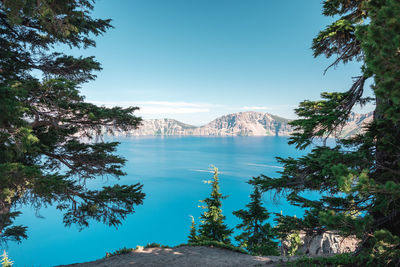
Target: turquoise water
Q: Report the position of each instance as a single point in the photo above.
(172, 170)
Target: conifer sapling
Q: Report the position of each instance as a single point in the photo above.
(257, 236)
(213, 227)
(193, 238)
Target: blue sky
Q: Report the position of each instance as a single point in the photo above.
(196, 60)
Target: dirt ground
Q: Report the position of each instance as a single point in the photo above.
(185, 256)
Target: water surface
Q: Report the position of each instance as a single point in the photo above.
(172, 170)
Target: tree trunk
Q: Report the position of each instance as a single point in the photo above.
(4, 218)
(387, 160)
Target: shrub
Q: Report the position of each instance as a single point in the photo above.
(121, 251)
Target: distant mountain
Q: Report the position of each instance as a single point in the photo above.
(238, 124)
(162, 127)
(246, 124)
(355, 124)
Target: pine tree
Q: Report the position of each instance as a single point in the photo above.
(43, 160)
(5, 261)
(257, 236)
(358, 178)
(213, 227)
(193, 238)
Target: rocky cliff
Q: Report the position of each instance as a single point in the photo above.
(238, 124)
(355, 124)
(246, 124)
(162, 127)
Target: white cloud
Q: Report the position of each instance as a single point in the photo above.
(256, 108)
(113, 103)
(170, 110)
(177, 104)
(160, 107)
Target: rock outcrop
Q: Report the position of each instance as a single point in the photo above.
(323, 244)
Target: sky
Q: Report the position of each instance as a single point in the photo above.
(196, 60)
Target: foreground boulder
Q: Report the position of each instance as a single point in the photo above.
(326, 243)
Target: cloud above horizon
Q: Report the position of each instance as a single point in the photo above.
(255, 108)
(160, 107)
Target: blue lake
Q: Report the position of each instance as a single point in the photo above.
(172, 170)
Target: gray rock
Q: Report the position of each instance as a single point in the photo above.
(323, 244)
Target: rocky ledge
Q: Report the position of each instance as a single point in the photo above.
(183, 256)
